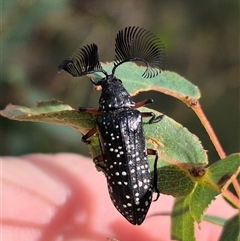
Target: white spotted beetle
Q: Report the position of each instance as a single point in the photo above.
(119, 124)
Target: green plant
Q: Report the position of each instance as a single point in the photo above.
(182, 166)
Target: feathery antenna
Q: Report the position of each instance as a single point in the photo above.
(138, 44)
(84, 61)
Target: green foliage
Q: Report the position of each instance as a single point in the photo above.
(209, 186)
(191, 207)
(182, 222)
(231, 229)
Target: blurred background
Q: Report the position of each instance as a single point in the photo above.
(202, 40)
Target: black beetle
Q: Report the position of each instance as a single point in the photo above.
(119, 124)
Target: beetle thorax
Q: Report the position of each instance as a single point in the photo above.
(114, 96)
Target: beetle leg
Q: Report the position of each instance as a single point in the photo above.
(155, 177)
(94, 129)
(142, 103)
(98, 159)
(154, 118)
(89, 110)
(89, 134)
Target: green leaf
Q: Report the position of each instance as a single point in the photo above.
(233, 189)
(55, 112)
(178, 149)
(209, 186)
(200, 198)
(173, 180)
(219, 172)
(52, 112)
(182, 223)
(174, 142)
(166, 82)
(231, 229)
(215, 220)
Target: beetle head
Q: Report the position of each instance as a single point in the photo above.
(114, 96)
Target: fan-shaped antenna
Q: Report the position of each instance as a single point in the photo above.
(84, 61)
(138, 44)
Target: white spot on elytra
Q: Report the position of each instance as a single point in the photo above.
(124, 173)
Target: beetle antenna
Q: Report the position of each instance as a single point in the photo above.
(84, 61)
(138, 44)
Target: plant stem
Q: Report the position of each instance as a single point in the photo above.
(199, 112)
(235, 200)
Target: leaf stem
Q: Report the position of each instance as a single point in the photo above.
(199, 112)
(235, 200)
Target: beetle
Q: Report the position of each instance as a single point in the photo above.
(119, 124)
